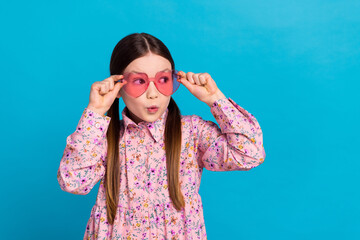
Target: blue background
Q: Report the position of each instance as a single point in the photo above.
(293, 64)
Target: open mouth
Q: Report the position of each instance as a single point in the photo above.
(152, 109)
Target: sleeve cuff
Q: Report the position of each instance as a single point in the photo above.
(230, 116)
(94, 123)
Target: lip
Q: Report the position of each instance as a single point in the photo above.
(153, 109)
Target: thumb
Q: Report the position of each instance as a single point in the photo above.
(117, 88)
(186, 83)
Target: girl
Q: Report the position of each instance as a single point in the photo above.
(150, 162)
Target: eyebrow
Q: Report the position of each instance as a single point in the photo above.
(143, 72)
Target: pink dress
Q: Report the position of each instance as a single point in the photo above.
(145, 210)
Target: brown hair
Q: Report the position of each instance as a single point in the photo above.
(128, 49)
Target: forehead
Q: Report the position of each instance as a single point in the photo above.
(149, 64)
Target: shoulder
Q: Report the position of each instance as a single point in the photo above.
(188, 119)
(195, 121)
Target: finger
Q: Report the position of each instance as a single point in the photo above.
(107, 84)
(187, 84)
(96, 86)
(210, 83)
(180, 75)
(106, 87)
(206, 75)
(120, 84)
(117, 88)
(189, 77)
(117, 78)
(196, 79)
(202, 79)
(111, 83)
(103, 88)
(100, 87)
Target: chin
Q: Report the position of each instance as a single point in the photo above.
(152, 118)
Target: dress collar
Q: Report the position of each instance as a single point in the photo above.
(156, 128)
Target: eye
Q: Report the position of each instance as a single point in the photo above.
(163, 80)
(139, 81)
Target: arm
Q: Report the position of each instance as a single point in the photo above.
(236, 145)
(83, 162)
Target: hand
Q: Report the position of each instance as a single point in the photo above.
(202, 86)
(103, 94)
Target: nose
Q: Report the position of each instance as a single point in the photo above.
(152, 91)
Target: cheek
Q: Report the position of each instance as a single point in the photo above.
(127, 99)
(130, 103)
(167, 101)
(136, 103)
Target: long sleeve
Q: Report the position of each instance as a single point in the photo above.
(236, 145)
(83, 162)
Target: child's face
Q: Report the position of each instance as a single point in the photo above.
(138, 107)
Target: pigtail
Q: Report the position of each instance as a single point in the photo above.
(173, 149)
(112, 175)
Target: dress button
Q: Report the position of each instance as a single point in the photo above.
(97, 125)
(142, 134)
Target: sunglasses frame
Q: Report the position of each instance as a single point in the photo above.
(174, 73)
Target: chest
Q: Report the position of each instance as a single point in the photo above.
(144, 161)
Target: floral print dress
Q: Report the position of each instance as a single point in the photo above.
(145, 210)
